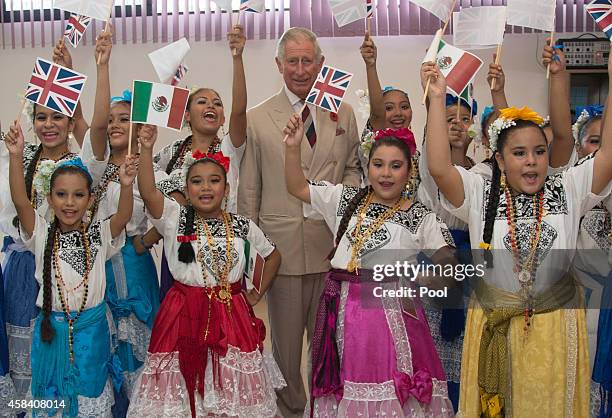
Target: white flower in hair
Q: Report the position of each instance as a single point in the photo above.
(42, 179)
(366, 144)
(495, 129)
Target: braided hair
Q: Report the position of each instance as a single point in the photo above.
(494, 192)
(185, 252)
(47, 332)
(356, 201)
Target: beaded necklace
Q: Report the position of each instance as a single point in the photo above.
(362, 238)
(59, 282)
(224, 294)
(525, 268)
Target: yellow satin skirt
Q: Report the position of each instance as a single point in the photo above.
(549, 372)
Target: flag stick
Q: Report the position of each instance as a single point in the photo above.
(130, 133)
(450, 14)
(369, 25)
(552, 39)
(301, 111)
(497, 58)
(458, 108)
(106, 28)
(234, 51)
(21, 107)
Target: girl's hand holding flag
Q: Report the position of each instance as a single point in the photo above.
(104, 45)
(237, 40)
(554, 57)
(496, 73)
(61, 55)
(431, 75)
(294, 131)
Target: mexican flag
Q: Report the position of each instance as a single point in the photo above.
(159, 104)
(467, 95)
(458, 66)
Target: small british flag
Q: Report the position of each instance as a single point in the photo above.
(76, 27)
(369, 9)
(179, 74)
(601, 11)
(329, 88)
(55, 87)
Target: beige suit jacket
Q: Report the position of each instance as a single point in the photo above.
(304, 243)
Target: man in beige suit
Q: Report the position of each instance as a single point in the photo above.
(329, 153)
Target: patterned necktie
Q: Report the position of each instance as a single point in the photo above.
(309, 127)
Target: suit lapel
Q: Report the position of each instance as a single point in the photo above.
(326, 135)
(280, 113)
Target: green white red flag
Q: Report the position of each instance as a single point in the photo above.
(458, 66)
(159, 104)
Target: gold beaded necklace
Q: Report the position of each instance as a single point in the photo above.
(59, 282)
(362, 238)
(224, 294)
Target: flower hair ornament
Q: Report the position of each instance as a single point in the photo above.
(403, 134)
(126, 97)
(508, 118)
(585, 114)
(218, 157)
(42, 179)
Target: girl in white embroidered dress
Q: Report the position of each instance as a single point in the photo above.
(206, 352)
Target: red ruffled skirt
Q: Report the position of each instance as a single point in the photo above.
(206, 358)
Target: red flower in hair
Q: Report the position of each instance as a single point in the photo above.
(403, 134)
(333, 116)
(217, 156)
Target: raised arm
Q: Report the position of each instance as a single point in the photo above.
(498, 94)
(127, 175)
(297, 184)
(377, 105)
(238, 119)
(25, 212)
(559, 106)
(602, 168)
(61, 56)
(445, 175)
(151, 196)
(99, 122)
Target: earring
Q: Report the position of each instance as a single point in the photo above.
(502, 180)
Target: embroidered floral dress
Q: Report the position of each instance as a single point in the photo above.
(387, 362)
(206, 356)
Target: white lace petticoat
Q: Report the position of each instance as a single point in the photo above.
(370, 400)
(247, 384)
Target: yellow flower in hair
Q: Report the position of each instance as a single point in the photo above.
(524, 113)
(508, 118)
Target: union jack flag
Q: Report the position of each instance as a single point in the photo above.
(329, 88)
(76, 27)
(601, 11)
(55, 87)
(369, 8)
(178, 76)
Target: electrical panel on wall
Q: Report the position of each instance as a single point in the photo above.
(586, 53)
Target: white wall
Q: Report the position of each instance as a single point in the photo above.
(210, 65)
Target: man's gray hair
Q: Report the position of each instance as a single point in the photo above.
(295, 34)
